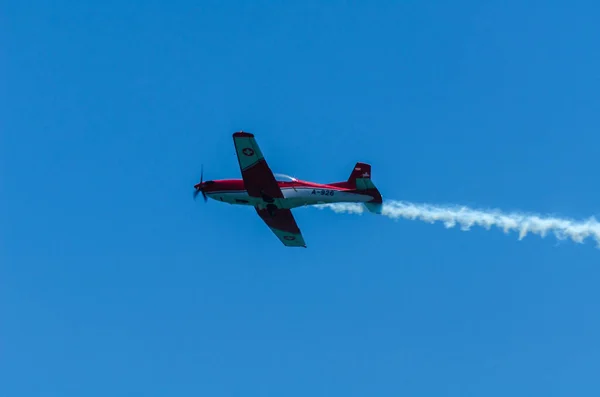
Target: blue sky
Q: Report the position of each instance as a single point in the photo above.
(115, 282)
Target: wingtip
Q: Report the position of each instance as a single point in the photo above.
(242, 134)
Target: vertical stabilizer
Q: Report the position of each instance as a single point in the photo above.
(360, 179)
(361, 172)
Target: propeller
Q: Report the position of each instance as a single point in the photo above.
(199, 187)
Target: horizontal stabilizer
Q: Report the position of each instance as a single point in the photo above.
(376, 208)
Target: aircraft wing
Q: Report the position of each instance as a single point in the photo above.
(283, 224)
(258, 177)
(259, 181)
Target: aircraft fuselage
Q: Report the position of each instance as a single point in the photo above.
(295, 194)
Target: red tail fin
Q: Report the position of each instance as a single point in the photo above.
(360, 179)
(360, 171)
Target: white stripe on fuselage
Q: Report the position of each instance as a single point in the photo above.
(293, 197)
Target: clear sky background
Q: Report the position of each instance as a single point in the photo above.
(114, 282)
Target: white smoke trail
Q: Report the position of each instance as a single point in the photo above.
(466, 217)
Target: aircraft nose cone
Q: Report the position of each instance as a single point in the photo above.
(203, 185)
(199, 188)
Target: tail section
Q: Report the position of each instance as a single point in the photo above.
(360, 179)
(376, 208)
(361, 171)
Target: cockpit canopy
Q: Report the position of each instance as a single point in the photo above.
(284, 178)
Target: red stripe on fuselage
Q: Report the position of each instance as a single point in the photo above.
(224, 185)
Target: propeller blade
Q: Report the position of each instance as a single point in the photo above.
(199, 188)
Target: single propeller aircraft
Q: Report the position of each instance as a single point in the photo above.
(274, 195)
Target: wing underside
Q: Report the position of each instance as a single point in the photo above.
(283, 225)
(258, 177)
(260, 182)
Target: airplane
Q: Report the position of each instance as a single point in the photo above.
(274, 195)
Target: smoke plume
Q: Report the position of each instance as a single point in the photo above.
(465, 217)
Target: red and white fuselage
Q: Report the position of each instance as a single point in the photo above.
(296, 193)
